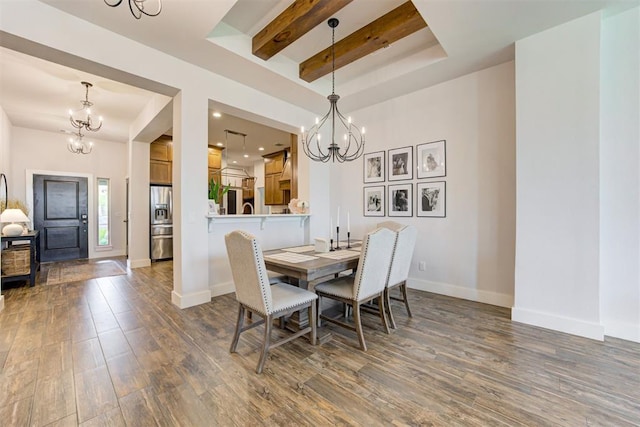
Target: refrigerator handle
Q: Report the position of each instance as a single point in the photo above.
(171, 203)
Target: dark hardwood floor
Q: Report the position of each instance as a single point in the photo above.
(115, 351)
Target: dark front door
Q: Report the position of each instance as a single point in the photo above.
(60, 213)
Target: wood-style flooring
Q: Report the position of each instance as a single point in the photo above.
(114, 351)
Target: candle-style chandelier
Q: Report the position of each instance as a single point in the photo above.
(77, 145)
(87, 121)
(352, 145)
(137, 7)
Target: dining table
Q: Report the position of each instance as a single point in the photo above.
(305, 267)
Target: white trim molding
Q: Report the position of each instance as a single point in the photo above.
(190, 300)
(456, 291)
(554, 322)
(137, 263)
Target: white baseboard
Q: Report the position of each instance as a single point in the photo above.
(190, 300)
(1, 302)
(137, 263)
(554, 322)
(477, 295)
(222, 289)
(624, 331)
(107, 254)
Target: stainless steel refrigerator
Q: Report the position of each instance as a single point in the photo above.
(161, 204)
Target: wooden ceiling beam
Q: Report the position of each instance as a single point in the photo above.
(296, 20)
(395, 25)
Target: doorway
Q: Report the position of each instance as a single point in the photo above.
(60, 214)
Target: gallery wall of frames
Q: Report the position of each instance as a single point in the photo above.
(399, 198)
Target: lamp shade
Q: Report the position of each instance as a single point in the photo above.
(13, 216)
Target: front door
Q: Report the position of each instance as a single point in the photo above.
(60, 213)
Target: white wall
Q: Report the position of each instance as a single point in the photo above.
(5, 160)
(470, 253)
(5, 143)
(47, 151)
(620, 176)
(557, 104)
(278, 232)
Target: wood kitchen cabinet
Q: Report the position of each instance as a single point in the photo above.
(273, 167)
(214, 161)
(160, 160)
(215, 158)
(160, 172)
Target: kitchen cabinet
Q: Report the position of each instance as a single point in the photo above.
(160, 172)
(274, 194)
(214, 162)
(215, 158)
(160, 160)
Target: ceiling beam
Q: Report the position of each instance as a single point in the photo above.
(395, 25)
(296, 20)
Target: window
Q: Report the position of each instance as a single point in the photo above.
(104, 237)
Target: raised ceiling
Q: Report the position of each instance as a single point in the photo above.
(461, 36)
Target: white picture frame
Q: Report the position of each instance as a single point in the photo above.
(373, 200)
(400, 200)
(431, 159)
(374, 167)
(400, 164)
(431, 199)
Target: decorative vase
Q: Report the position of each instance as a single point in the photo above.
(214, 208)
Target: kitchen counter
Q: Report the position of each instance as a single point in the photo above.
(261, 218)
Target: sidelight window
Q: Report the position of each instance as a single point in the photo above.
(104, 221)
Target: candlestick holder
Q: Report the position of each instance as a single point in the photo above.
(331, 247)
(348, 240)
(338, 239)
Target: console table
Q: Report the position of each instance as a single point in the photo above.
(33, 237)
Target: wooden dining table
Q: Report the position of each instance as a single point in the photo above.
(310, 267)
(306, 268)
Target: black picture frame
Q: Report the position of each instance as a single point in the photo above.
(373, 199)
(373, 167)
(431, 159)
(431, 199)
(400, 164)
(400, 200)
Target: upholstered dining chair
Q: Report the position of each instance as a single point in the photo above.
(255, 294)
(400, 265)
(368, 283)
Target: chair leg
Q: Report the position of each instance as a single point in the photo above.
(311, 311)
(319, 311)
(387, 298)
(236, 334)
(383, 315)
(357, 321)
(268, 321)
(406, 300)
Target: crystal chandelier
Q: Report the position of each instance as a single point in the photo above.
(86, 123)
(77, 146)
(352, 145)
(137, 7)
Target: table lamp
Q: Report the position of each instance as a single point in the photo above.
(15, 217)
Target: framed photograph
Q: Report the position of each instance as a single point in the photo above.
(431, 159)
(400, 200)
(374, 201)
(374, 167)
(400, 164)
(431, 199)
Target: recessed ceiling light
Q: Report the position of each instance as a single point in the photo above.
(246, 156)
(220, 144)
(234, 162)
(260, 148)
(217, 115)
